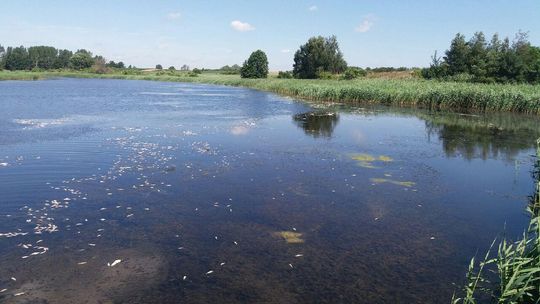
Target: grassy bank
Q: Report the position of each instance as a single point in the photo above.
(397, 92)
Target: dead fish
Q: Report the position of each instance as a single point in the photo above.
(291, 265)
(81, 263)
(222, 263)
(184, 278)
(3, 290)
(114, 263)
(19, 294)
(299, 255)
(13, 279)
(210, 272)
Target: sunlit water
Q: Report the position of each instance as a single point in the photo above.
(149, 192)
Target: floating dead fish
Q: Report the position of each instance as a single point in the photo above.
(210, 272)
(116, 262)
(3, 290)
(19, 294)
(13, 279)
(222, 263)
(291, 265)
(184, 278)
(298, 255)
(81, 263)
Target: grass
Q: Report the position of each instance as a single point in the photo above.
(513, 274)
(462, 97)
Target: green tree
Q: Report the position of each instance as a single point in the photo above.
(476, 60)
(457, 56)
(17, 59)
(2, 53)
(318, 55)
(82, 59)
(62, 60)
(42, 57)
(256, 66)
(159, 67)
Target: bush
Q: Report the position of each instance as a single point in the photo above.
(285, 75)
(196, 71)
(159, 67)
(256, 66)
(325, 75)
(353, 73)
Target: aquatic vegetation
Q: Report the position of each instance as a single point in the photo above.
(364, 157)
(366, 160)
(514, 270)
(390, 181)
(385, 158)
(290, 237)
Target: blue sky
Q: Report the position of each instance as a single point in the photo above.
(214, 33)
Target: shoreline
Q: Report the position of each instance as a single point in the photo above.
(426, 94)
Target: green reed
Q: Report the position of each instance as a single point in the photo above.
(512, 275)
(398, 92)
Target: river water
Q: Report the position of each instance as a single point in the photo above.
(115, 191)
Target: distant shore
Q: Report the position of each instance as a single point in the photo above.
(387, 90)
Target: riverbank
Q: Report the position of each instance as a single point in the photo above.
(462, 97)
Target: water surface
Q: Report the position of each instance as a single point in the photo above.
(212, 194)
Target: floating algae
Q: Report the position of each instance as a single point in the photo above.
(385, 158)
(290, 237)
(366, 160)
(385, 180)
(363, 157)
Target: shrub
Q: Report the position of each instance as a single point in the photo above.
(353, 73)
(285, 75)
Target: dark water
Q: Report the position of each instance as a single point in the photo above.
(197, 188)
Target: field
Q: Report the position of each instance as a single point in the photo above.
(387, 90)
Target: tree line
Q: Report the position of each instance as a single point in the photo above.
(48, 57)
(478, 60)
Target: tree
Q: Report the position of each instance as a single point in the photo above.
(476, 61)
(2, 53)
(172, 68)
(62, 60)
(185, 67)
(457, 56)
(42, 57)
(256, 66)
(17, 59)
(159, 67)
(318, 55)
(353, 73)
(82, 59)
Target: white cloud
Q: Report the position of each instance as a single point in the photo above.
(242, 26)
(366, 24)
(313, 8)
(285, 51)
(174, 16)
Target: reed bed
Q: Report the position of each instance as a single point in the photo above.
(430, 94)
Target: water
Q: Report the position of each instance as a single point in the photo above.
(195, 188)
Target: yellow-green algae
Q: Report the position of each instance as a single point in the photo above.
(366, 160)
(390, 181)
(290, 236)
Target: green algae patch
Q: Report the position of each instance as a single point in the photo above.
(390, 181)
(363, 158)
(385, 159)
(367, 160)
(290, 237)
